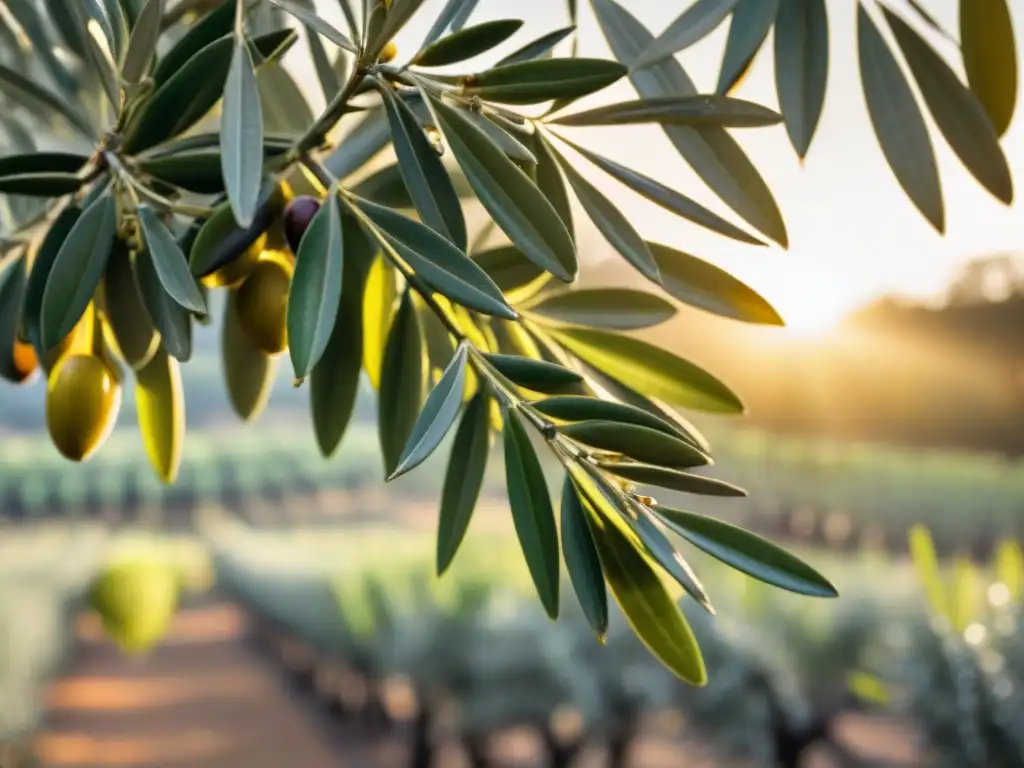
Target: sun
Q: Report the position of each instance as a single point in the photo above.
(812, 319)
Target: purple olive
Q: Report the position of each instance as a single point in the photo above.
(297, 216)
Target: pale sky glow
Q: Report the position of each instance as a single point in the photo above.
(853, 233)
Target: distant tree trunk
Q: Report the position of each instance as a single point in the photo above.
(476, 751)
(421, 745)
(560, 753)
(620, 742)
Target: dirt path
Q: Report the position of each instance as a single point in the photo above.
(204, 699)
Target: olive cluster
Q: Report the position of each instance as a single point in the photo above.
(84, 381)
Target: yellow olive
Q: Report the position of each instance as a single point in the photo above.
(262, 303)
(82, 401)
(389, 52)
(23, 361)
(234, 272)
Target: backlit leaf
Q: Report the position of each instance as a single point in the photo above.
(378, 309)
(579, 408)
(142, 45)
(248, 373)
(703, 285)
(673, 479)
(990, 57)
(648, 608)
(618, 308)
(650, 370)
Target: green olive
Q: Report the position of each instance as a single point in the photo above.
(82, 401)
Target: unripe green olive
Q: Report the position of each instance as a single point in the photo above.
(262, 302)
(82, 400)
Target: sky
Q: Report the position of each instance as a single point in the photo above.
(853, 233)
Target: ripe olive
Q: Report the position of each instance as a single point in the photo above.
(389, 52)
(82, 400)
(297, 216)
(24, 361)
(262, 302)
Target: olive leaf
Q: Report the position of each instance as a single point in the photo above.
(171, 319)
(712, 153)
(668, 198)
(42, 266)
(532, 514)
(898, 123)
(315, 22)
(693, 25)
(334, 382)
(402, 379)
(40, 184)
(582, 561)
(241, 132)
(611, 222)
(539, 48)
(508, 194)
(316, 287)
(466, 43)
(703, 285)
(367, 139)
(538, 80)
(143, 42)
(751, 22)
(428, 182)
(616, 308)
(580, 408)
(673, 479)
(747, 552)
(958, 114)
(210, 28)
(171, 264)
(650, 370)
(42, 102)
(378, 308)
(536, 375)
(801, 67)
(76, 271)
(637, 442)
(678, 110)
(650, 611)
(438, 414)
(990, 57)
(464, 477)
(443, 266)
